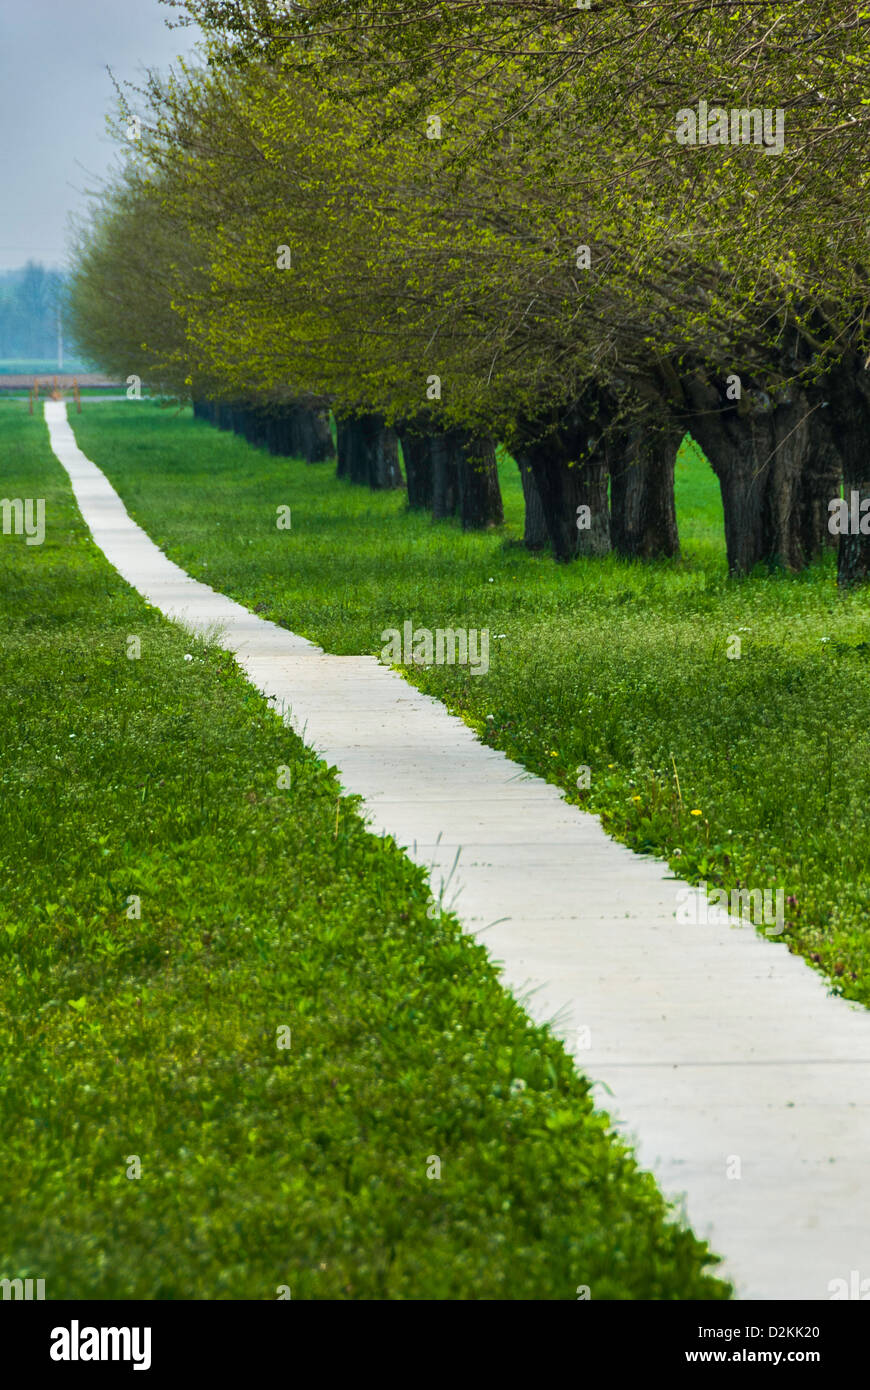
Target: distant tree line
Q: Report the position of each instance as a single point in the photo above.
(30, 299)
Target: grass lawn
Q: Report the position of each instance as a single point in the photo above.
(22, 393)
(622, 667)
(262, 908)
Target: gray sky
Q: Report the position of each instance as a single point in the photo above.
(54, 97)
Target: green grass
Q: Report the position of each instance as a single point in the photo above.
(45, 389)
(261, 908)
(619, 666)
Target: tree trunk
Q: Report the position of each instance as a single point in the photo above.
(255, 430)
(275, 434)
(850, 428)
(820, 482)
(322, 448)
(345, 446)
(728, 440)
(445, 474)
(417, 451)
(790, 427)
(310, 435)
(758, 450)
(246, 424)
(368, 452)
(357, 458)
(643, 515)
(382, 448)
(591, 485)
(480, 504)
(535, 529)
(570, 473)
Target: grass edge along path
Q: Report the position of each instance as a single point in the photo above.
(155, 1141)
(741, 773)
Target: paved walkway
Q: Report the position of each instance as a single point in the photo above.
(717, 1051)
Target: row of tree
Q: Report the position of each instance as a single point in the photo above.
(481, 225)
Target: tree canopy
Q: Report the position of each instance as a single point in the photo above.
(496, 215)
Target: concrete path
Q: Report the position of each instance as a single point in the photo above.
(718, 1052)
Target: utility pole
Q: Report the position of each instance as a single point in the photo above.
(59, 342)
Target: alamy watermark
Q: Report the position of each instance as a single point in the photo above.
(75, 1343)
(743, 125)
(749, 906)
(853, 1288)
(850, 518)
(24, 518)
(22, 1288)
(446, 646)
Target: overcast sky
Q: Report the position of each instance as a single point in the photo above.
(55, 93)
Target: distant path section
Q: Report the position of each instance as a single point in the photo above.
(744, 1085)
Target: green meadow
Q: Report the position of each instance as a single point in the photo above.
(244, 1056)
(738, 770)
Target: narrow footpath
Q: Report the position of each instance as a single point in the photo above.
(743, 1084)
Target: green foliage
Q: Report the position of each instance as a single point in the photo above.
(456, 256)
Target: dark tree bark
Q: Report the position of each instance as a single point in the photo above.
(570, 471)
(382, 449)
(480, 504)
(445, 474)
(591, 489)
(820, 482)
(357, 452)
(310, 437)
(849, 396)
(368, 452)
(298, 430)
(790, 429)
(758, 450)
(284, 442)
(322, 448)
(643, 514)
(417, 451)
(344, 429)
(535, 528)
(255, 427)
(274, 434)
(729, 439)
(359, 455)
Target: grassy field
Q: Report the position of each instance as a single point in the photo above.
(749, 771)
(154, 1038)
